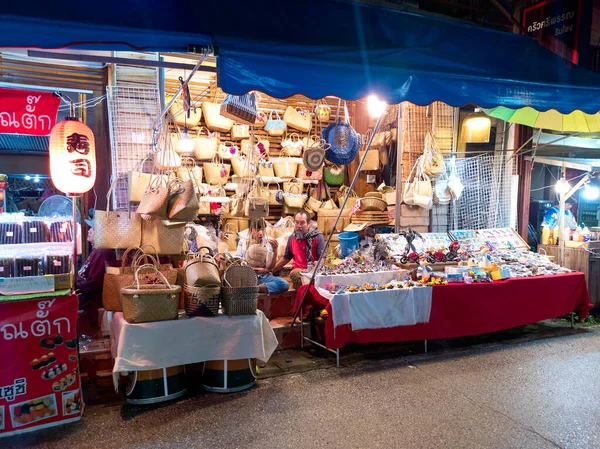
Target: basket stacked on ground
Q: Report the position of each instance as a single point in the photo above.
(240, 290)
(202, 301)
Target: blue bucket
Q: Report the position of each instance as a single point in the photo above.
(348, 243)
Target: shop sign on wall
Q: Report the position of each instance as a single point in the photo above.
(27, 112)
(39, 375)
(555, 24)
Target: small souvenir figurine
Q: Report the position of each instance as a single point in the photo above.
(410, 235)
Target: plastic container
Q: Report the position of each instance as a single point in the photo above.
(348, 243)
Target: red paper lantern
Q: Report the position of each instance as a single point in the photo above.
(72, 156)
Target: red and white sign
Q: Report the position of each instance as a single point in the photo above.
(39, 374)
(27, 112)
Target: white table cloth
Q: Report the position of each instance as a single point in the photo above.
(161, 344)
(380, 308)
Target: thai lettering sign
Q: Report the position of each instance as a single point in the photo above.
(27, 112)
(555, 25)
(39, 375)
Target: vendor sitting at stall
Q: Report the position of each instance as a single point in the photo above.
(551, 217)
(251, 249)
(90, 281)
(304, 246)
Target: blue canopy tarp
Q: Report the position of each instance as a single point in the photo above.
(322, 47)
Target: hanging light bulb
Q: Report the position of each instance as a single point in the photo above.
(476, 128)
(562, 186)
(375, 106)
(591, 192)
(186, 143)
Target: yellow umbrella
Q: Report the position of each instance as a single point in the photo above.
(576, 121)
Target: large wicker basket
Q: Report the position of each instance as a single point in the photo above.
(240, 291)
(152, 302)
(202, 301)
(372, 203)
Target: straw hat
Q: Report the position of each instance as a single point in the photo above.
(313, 158)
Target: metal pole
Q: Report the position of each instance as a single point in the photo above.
(318, 264)
(74, 234)
(399, 154)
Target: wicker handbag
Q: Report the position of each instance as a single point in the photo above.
(200, 270)
(213, 118)
(265, 168)
(257, 207)
(275, 126)
(285, 167)
(183, 204)
(230, 234)
(123, 276)
(155, 200)
(115, 230)
(297, 119)
(334, 175)
(202, 301)
(294, 198)
(239, 132)
(240, 290)
(189, 118)
(217, 172)
(293, 145)
(205, 146)
(166, 240)
(143, 303)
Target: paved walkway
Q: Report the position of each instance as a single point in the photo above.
(506, 394)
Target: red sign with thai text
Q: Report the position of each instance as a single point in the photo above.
(27, 112)
(39, 373)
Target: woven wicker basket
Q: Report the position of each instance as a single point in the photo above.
(202, 301)
(372, 203)
(240, 291)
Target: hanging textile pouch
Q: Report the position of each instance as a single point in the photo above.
(240, 108)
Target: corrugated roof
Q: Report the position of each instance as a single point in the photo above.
(18, 143)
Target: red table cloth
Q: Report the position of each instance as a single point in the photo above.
(460, 310)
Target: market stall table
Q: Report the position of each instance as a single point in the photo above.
(460, 310)
(164, 344)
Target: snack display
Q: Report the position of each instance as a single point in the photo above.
(58, 264)
(11, 233)
(34, 231)
(61, 231)
(28, 265)
(371, 286)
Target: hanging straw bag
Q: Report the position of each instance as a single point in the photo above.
(261, 119)
(455, 185)
(205, 146)
(285, 167)
(189, 118)
(343, 139)
(240, 108)
(272, 194)
(239, 132)
(293, 145)
(227, 151)
(183, 204)
(334, 175)
(240, 290)
(143, 303)
(217, 172)
(418, 192)
(433, 160)
(287, 185)
(275, 126)
(314, 202)
(352, 197)
(230, 235)
(165, 157)
(202, 301)
(322, 111)
(166, 240)
(243, 167)
(294, 198)
(213, 118)
(298, 119)
(113, 230)
(155, 200)
(265, 168)
(189, 170)
(303, 173)
(137, 181)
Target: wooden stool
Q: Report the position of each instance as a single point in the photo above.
(157, 385)
(228, 376)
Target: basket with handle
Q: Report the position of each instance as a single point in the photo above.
(285, 167)
(240, 290)
(144, 303)
(202, 301)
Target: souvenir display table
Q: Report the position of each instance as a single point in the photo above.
(162, 344)
(459, 310)
(39, 377)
